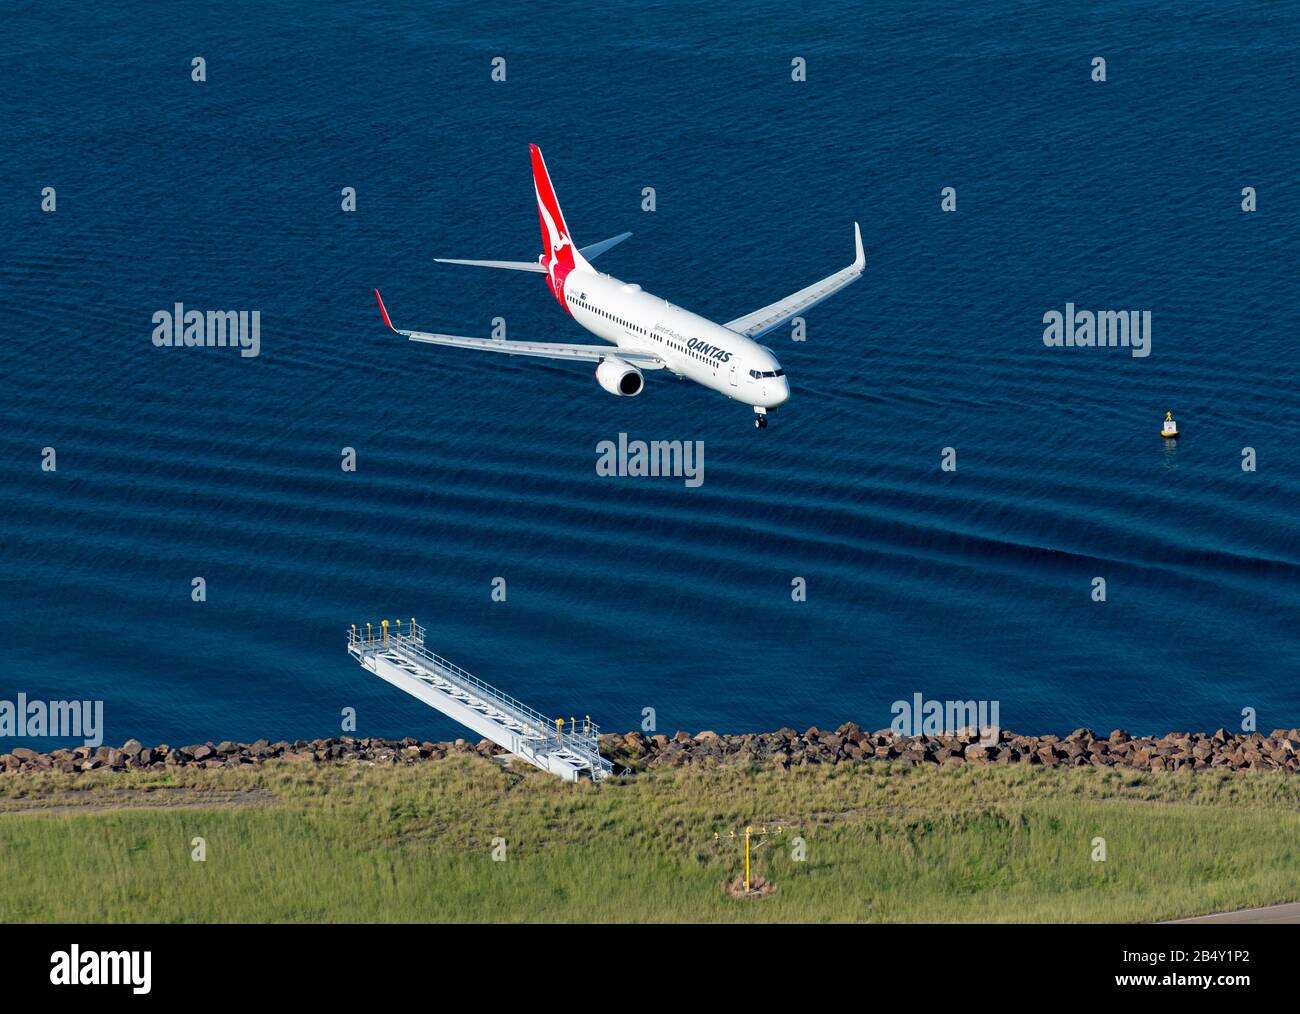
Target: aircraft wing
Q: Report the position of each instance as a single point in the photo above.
(763, 320)
(541, 350)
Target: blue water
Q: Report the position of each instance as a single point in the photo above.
(625, 594)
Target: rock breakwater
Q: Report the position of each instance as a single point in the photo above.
(784, 748)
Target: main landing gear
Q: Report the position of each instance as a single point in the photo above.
(760, 419)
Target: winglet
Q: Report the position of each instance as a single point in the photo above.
(860, 260)
(384, 311)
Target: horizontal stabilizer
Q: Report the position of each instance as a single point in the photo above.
(596, 249)
(503, 265)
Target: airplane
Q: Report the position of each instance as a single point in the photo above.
(646, 331)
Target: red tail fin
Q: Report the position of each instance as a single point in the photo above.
(555, 232)
(559, 255)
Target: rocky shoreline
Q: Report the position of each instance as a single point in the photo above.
(785, 748)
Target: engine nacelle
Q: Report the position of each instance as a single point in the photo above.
(620, 378)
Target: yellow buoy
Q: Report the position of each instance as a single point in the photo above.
(1170, 428)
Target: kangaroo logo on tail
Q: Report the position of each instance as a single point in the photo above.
(559, 256)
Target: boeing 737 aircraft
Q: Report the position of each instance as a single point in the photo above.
(648, 333)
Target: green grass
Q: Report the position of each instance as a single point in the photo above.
(884, 843)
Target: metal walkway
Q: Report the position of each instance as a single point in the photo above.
(401, 658)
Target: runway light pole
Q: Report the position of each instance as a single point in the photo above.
(749, 832)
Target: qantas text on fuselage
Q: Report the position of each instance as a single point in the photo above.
(646, 332)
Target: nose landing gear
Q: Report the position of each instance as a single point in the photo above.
(760, 418)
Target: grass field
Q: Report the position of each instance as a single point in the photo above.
(301, 843)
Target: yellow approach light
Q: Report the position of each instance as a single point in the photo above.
(747, 834)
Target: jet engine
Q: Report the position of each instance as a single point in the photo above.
(620, 378)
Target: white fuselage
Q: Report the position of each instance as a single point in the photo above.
(690, 346)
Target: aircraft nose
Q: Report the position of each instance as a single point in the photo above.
(782, 391)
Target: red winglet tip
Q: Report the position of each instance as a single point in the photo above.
(384, 311)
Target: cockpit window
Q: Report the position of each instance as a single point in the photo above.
(759, 374)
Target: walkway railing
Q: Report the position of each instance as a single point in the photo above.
(407, 641)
